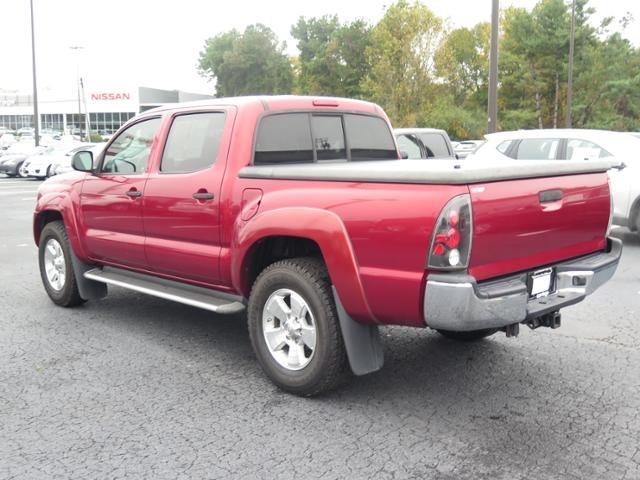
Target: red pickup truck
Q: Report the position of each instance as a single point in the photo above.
(299, 211)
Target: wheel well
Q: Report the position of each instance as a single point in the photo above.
(272, 249)
(45, 217)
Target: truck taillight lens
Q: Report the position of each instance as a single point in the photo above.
(451, 242)
(610, 224)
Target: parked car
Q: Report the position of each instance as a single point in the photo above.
(467, 147)
(42, 166)
(63, 165)
(6, 140)
(299, 211)
(577, 144)
(12, 161)
(421, 143)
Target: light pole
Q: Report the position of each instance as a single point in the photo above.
(493, 68)
(36, 115)
(572, 39)
(77, 49)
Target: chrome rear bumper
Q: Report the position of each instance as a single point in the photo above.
(458, 302)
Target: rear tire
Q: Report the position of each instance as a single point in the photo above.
(292, 304)
(56, 269)
(469, 336)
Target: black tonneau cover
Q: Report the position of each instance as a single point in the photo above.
(439, 172)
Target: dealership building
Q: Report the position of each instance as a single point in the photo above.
(63, 111)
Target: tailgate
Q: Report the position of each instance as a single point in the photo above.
(524, 224)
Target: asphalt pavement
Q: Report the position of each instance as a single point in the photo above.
(138, 387)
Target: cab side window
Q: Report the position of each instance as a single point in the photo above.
(538, 149)
(193, 142)
(411, 145)
(584, 150)
(129, 153)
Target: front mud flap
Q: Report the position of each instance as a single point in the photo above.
(362, 342)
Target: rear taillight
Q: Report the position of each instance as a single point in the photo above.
(451, 242)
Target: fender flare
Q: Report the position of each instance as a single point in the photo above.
(59, 202)
(323, 227)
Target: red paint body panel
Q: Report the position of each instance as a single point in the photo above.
(112, 221)
(374, 237)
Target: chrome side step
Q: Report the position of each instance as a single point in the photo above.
(175, 291)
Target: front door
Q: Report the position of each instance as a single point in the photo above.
(182, 197)
(111, 200)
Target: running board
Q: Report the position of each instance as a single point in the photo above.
(175, 291)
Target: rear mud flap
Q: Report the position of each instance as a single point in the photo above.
(362, 342)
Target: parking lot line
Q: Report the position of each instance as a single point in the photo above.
(15, 192)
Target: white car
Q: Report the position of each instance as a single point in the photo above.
(65, 165)
(42, 166)
(6, 140)
(466, 147)
(577, 144)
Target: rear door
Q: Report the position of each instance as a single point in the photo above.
(182, 197)
(524, 224)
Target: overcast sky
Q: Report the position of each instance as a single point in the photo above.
(129, 43)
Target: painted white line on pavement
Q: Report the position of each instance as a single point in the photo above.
(22, 245)
(15, 192)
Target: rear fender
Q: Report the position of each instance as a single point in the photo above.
(323, 227)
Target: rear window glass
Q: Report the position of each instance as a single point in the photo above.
(328, 137)
(193, 142)
(369, 138)
(284, 138)
(436, 144)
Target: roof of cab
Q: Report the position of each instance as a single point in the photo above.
(276, 102)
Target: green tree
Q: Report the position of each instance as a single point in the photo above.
(462, 60)
(248, 63)
(401, 57)
(332, 59)
(607, 86)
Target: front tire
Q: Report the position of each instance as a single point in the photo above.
(56, 269)
(294, 327)
(469, 336)
(21, 172)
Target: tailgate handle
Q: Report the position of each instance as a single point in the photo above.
(549, 196)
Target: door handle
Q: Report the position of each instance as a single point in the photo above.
(203, 195)
(134, 193)
(550, 196)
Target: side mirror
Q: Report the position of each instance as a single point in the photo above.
(82, 161)
(404, 155)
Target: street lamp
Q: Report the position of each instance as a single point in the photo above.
(77, 48)
(36, 115)
(493, 69)
(572, 39)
